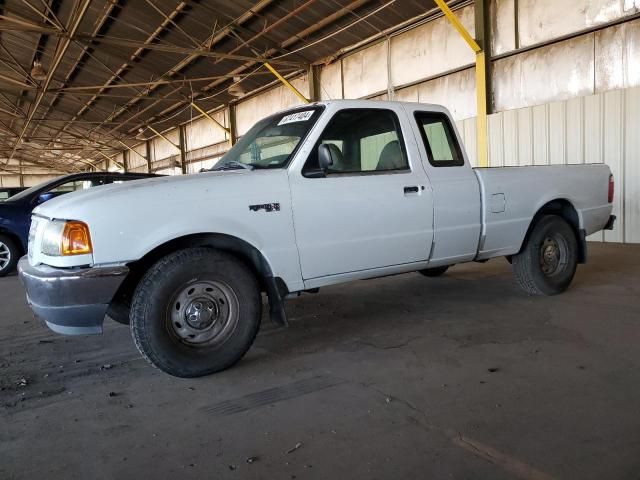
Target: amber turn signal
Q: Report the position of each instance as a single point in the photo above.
(76, 239)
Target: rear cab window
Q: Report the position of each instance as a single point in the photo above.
(439, 139)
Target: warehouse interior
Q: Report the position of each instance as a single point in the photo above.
(462, 376)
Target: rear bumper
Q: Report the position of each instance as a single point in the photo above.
(610, 222)
(71, 302)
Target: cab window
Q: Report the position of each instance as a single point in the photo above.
(363, 141)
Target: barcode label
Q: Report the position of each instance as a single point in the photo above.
(296, 117)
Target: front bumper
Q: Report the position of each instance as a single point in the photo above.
(71, 301)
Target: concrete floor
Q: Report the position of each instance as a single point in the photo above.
(403, 377)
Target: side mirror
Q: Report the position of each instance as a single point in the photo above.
(45, 197)
(325, 159)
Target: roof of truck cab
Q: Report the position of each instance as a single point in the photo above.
(370, 104)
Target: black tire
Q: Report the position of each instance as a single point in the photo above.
(208, 284)
(547, 263)
(435, 271)
(9, 255)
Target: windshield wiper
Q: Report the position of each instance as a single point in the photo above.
(233, 165)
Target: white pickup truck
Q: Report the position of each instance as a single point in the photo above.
(313, 196)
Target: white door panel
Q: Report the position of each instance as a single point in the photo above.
(352, 223)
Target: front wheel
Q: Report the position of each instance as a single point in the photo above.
(9, 254)
(547, 263)
(195, 312)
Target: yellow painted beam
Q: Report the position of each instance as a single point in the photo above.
(286, 83)
(131, 150)
(458, 26)
(162, 136)
(481, 84)
(481, 101)
(209, 117)
(109, 159)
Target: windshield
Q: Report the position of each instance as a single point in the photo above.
(271, 142)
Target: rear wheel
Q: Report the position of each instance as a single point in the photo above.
(9, 254)
(547, 263)
(434, 272)
(195, 312)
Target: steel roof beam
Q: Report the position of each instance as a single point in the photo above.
(110, 6)
(205, 46)
(54, 66)
(287, 43)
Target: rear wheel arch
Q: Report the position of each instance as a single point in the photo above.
(564, 209)
(547, 263)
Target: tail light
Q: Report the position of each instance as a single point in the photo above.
(611, 188)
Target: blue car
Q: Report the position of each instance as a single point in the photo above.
(15, 212)
(8, 192)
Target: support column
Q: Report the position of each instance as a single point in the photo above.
(483, 37)
(125, 160)
(314, 82)
(148, 148)
(183, 148)
(233, 127)
(481, 70)
(481, 101)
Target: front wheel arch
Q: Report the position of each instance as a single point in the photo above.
(242, 250)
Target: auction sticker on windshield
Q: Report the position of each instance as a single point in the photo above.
(296, 117)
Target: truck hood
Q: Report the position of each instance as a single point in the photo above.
(127, 221)
(141, 195)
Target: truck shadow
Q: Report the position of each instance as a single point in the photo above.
(466, 308)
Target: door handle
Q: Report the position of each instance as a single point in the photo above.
(412, 189)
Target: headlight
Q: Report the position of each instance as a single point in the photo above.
(66, 238)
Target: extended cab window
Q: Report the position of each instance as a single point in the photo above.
(362, 140)
(439, 140)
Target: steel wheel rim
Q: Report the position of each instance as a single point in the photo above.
(203, 314)
(5, 256)
(553, 254)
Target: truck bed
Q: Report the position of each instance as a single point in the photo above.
(512, 195)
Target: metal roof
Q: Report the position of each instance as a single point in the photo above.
(113, 66)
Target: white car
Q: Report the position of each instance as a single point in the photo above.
(317, 195)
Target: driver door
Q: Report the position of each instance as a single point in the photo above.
(372, 208)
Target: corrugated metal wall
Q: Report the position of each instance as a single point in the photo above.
(601, 128)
